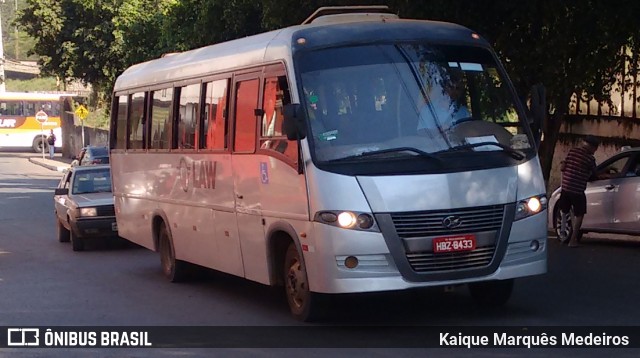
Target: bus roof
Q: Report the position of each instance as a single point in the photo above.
(33, 96)
(279, 45)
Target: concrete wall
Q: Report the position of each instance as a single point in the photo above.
(72, 139)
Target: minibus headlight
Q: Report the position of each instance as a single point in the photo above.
(365, 221)
(347, 220)
(328, 217)
(534, 205)
(88, 212)
(530, 206)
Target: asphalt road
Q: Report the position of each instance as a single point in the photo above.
(44, 283)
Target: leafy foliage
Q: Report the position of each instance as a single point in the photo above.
(138, 31)
(16, 44)
(195, 23)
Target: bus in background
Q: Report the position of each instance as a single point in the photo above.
(330, 157)
(18, 125)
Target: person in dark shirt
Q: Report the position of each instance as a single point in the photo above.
(577, 168)
(51, 140)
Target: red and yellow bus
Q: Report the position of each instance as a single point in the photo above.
(18, 124)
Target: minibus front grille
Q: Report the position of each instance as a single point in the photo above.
(432, 223)
(429, 262)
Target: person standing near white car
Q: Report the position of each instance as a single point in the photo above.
(577, 168)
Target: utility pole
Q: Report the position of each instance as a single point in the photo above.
(3, 88)
(15, 16)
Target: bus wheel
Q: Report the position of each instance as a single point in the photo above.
(76, 243)
(63, 233)
(173, 269)
(304, 304)
(38, 142)
(491, 293)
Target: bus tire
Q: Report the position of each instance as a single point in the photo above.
(63, 234)
(305, 305)
(174, 270)
(38, 142)
(77, 244)
(491, 293)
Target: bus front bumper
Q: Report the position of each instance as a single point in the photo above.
(328, 270)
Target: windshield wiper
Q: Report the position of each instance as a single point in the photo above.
(421, 153)
(515, 154)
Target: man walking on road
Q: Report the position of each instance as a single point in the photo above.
(577, 168)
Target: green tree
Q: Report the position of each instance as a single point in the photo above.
(139, 31)
(16, 43)
(42, 20)
(73, 38)
(108, 35)
(195, 23)
(93, 40)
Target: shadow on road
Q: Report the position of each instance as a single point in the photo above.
(573, 292)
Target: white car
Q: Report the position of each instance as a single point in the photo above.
(613, 198)
(84, 205)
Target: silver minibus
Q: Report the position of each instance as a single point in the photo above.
(356, 152)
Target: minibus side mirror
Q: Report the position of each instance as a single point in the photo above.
(538, 110)
(293, 124)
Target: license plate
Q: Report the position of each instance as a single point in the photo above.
(114, 226)
(454, 243)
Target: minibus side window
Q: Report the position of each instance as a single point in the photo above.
(213, 122)
(188, 111)
(121, 123)
(136, 121)
(161, 119)
(245, 115)
(275, 96)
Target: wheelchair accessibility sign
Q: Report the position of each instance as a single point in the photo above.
(264, 173)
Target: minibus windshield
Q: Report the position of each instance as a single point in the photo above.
(425, 98)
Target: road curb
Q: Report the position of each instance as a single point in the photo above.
(59, 168)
